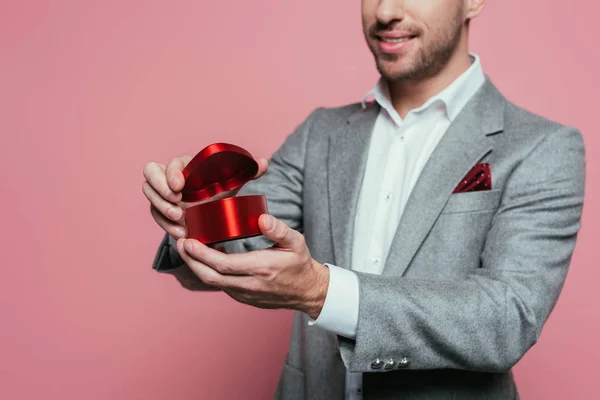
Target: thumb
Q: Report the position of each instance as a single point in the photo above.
(277, 231)
(263, 165)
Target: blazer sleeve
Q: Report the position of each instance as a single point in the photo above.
(282, 185)
(488, 321)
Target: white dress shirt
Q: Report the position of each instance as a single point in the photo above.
(398, 151)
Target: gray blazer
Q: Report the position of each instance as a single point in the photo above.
(470, 278)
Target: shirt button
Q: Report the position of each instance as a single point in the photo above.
(388, 196)
(376, 260)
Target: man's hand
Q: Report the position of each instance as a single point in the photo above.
(283, 276)
(162, 187)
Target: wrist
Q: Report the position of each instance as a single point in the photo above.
(319, 285)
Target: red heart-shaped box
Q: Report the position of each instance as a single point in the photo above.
(218, 168)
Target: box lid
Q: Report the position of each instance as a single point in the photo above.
(217, 168)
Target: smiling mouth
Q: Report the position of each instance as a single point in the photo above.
(394, 43)
(395, 40)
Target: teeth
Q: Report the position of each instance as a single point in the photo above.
(390, 40)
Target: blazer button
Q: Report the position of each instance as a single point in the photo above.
(377, 364)
(389, 364)
(403, 363)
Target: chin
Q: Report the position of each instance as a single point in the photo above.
(395, 71)
(397, 66)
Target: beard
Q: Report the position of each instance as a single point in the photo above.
(427, 60)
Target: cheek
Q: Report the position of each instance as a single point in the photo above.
(368, 13)
(431, 13)
(423, 6)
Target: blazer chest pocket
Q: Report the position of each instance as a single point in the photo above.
(472, 202)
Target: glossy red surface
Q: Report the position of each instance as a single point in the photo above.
(218, 168)
(225, 219)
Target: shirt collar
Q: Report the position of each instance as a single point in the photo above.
(454, 97)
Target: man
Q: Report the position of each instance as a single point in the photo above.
(438, 223)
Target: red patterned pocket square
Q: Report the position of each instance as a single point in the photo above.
(477, 179)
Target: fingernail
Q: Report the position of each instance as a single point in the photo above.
(180, 244)
(268, 222)
(188, 245)
(174, 213)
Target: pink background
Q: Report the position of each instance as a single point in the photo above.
(92, 91)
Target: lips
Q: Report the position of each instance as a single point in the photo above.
(394, 42)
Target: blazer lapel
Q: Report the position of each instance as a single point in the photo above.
(465, 142)
(348, 150)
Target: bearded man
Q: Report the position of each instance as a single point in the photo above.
(423, 237)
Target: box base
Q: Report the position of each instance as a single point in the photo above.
(226, 219)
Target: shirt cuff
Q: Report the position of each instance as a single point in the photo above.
(340, 309)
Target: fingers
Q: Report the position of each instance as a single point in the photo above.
(155, 176)
(210, 276)
(227, 264)
(167, 209)
(167, 214)
(172, 228)
(173, 173)
(263, 165)
(280, 233)
(263, 263)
